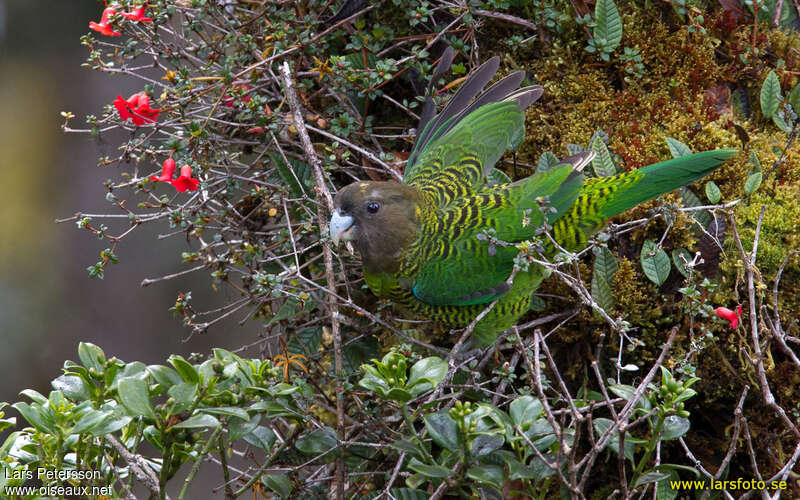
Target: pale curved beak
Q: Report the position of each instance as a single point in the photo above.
(341, 226)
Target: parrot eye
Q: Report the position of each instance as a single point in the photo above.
(373, 207)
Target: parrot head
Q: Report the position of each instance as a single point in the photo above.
(380, 218)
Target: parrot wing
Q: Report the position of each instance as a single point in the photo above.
(455, 150)
(460, 267)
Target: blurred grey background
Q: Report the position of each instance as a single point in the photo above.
(47, 301)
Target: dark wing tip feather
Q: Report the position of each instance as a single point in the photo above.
(580, 160)
(525, 96)
(471, 87)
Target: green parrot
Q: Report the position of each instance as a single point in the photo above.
(423, 242)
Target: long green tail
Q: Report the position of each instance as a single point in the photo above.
(604, 197)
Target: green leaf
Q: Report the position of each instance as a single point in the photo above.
(626, 392)
(601, 425)
(92, 356)
(794, 99)
(770, 95)
(679, 262)
(663, 489)
(227, 411)
(183, 393)
(111, 424)
(35, 416)
(306, 341)
(72, 386)
(279, 483)
(296, 176)
(426, 374)
(703, 217)
(755, 162)
(134, 395)
(602, 163)
(674, 427)
(358, 352)
(677, 148)
(443, 430)
(655, 262)
(317, 441)
(164, 375)
(712, 192)
(260, 437)
(605, 265)
(432, 471)
(238, 428)
(752, 183)
(199, 420)
(608, 24)
(525, 409)
(483, 444)
(491, 474)
(547, 161)
(650, 477)
(185, 369)
(574, 149)
(780, 122)
(90, 420)
(288, 310)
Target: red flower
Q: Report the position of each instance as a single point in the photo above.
(185, 182)
(166, 171)
(732, 316)
(137, 108)
(103, 26)
(236, 90)
(137, 14)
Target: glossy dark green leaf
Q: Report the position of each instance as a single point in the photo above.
(187, 372)
(134, 395)
(677, 148)
(491, 474)
(483, 444)
(752, 183)
(770, 95)
(674, 427)
(278, 483)
(680, 257)
(261, 437)
(605, 266)
(317, 441)
(547, 161)
(655, 262)
(712, 192)
(443, 430)
(608, 24)
(602, 163)
(72, 386)
(196, 421)
(432, 471)
(35, 415)
(92, 356)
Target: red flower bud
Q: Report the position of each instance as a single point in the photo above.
(166, 171)
(185, 182)
(732, 316)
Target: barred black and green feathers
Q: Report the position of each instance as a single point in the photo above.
(441, 244)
